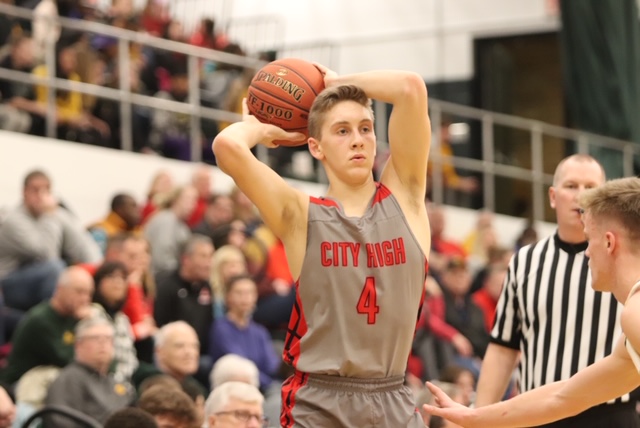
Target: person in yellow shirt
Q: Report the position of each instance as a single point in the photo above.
(73, 122)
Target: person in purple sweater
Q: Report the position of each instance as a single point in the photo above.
(238, 334)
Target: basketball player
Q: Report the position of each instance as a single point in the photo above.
(359, 253)
(612, 225)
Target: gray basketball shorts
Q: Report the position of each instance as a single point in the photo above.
(321, 401)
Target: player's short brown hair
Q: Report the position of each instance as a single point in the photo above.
(328, 99)
(617, 200)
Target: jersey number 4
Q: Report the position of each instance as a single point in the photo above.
(367, 302)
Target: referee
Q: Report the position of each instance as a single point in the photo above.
(549, 315)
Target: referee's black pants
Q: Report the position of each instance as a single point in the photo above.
(620, 415)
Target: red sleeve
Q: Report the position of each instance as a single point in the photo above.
(147, 210)
(198, 213)
(135, 308)
(435, 320)
(277, 265)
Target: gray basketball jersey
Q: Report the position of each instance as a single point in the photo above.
(359, 292)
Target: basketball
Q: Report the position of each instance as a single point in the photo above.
(281, 93)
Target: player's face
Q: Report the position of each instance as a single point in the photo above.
(348, 143)
(597, 251)
(574, 178)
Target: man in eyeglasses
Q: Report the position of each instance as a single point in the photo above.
(236, 405)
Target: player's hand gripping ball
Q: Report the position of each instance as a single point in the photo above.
(282, 92)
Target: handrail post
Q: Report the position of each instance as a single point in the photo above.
(194, 100)
(627, 160)
(583, 144)
(124, 71)
(50, 61)
(537, 173)
(436, 176)
(488, 175)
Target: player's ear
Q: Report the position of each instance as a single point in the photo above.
(315, 149)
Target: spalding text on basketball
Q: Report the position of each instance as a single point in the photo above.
(294, 90)
(269, 110)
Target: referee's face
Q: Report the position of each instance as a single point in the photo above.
(575, 177)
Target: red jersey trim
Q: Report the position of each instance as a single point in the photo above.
(296, 330)
(382, 192)
(323, 201)
(289, 389)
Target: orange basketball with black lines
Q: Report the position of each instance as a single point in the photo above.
(281, 93)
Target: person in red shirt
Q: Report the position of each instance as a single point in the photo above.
(487, 297)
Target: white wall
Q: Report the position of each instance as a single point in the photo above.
(86, 178)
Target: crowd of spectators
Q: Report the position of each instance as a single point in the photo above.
(95, 59)
(168, 288)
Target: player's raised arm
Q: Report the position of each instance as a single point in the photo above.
(279, 204)
(409, 125)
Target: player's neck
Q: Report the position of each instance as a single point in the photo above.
(354, 199)
(628, 274)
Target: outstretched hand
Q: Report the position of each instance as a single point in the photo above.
(447, 408)
(272, 133)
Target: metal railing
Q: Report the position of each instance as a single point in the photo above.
(487, 167)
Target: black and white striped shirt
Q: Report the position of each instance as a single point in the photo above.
(550, 313)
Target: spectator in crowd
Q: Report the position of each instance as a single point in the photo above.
(171, 408)
(201, 181)
(36, 240)
(463, 379)
(177, 354)
(109, 297)
(124, 217)
(167, 231)
(130, 417)
(487, 297)
(205, 36)
(481, 240)
(442, 248)
(452, 180)
(45, 335)
(238, 334)
(19, 112)
(185, 294)
(234, 233)
(155, 17)
(232, 367)
(162, 184)
(170, 131)
(437, 342)
(461, 313)
(136, 257)
(235, 404)
(74, 124)
(218, 212)
(245, 210)
(86, 384)
(228, 261)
